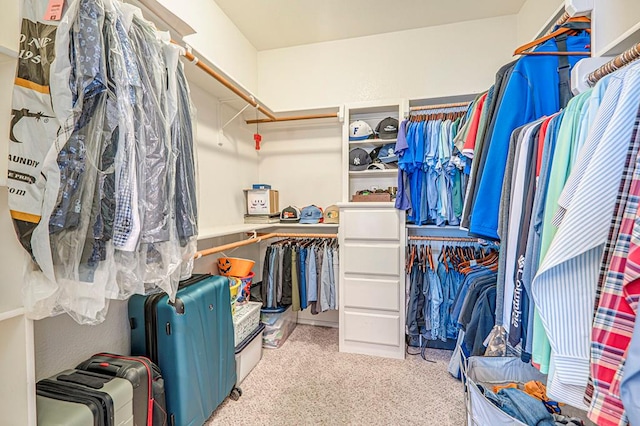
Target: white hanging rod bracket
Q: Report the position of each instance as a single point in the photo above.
(236, 116)
(341, 114)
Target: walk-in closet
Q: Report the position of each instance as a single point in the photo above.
(241, 212)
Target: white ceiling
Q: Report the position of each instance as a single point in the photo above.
(271, 24)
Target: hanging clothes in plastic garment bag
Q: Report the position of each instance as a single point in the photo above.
(126, 129)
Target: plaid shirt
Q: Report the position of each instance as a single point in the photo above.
(614, 318)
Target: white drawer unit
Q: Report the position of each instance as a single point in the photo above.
(378, 329)
(371, 290)
(371, 258)
(372, 293)
(372, 224)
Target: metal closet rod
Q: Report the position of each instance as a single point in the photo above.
(256, 239)
(623, 59)
(248, 99)
(439, 106)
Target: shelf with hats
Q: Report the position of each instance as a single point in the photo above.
(374, 173)
(248, 228)
(304, 225)
(373, 142)
(369, 137)
(221, 231)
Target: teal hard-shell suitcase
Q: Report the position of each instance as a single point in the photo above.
(192, 341)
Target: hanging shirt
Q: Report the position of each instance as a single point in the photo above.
(560, 169)
(402, 197)
(568, 275)
(605, 94)
(502, 78)
(532, 92)
(532, 259)
(616, 304)
(521, 152)
(474, 123)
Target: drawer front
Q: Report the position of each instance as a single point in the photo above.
(383, 259)
(370, 224)
(372, 293)
(381, 329)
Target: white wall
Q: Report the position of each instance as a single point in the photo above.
(438, 61)
(218, 39)
(62, 344)
(302, 161)
(533, 16)
(615, 21)
(224, 171)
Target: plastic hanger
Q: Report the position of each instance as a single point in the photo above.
(565, 28)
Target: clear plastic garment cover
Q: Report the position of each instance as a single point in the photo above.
(118, 212)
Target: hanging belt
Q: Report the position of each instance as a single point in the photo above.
(564, 67)
(564, 72)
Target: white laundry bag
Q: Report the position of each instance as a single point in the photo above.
(488, 372)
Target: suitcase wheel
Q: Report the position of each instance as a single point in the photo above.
(235, 394)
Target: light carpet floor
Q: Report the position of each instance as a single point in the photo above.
(307, 381)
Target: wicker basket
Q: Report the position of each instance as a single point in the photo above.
(245, 320)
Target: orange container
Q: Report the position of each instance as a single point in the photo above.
(234, 266)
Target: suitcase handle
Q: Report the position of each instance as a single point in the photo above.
(104, 367)
(87, 380)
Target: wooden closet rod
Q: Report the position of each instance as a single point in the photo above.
(623, 59)
(294, 118)
(249, 99)
(561, 20)
(458, 239)
(257, 239)
(226, 83)
(440, 106)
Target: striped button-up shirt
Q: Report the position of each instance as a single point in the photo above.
(564, 288)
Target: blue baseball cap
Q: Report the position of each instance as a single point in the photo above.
(311, 214)
(387, 153)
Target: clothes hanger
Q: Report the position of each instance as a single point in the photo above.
(410, 258)
(565, 28)
(432, 264)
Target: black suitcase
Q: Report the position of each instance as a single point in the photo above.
(149, 406)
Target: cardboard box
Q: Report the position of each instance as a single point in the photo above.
(373, 197)
(262, 201)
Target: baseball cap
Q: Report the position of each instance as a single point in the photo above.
(332, 214)
(359, 130)
(382, 166)
(374, 154)
(290, 214)
(359, 159)
(387, 153)
(387, 128)
(311, 214)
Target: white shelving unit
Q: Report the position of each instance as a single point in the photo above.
(616, 26)
(372, 142)
(374, 173)
(371, 113)
(371, 290)
(371, 237)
